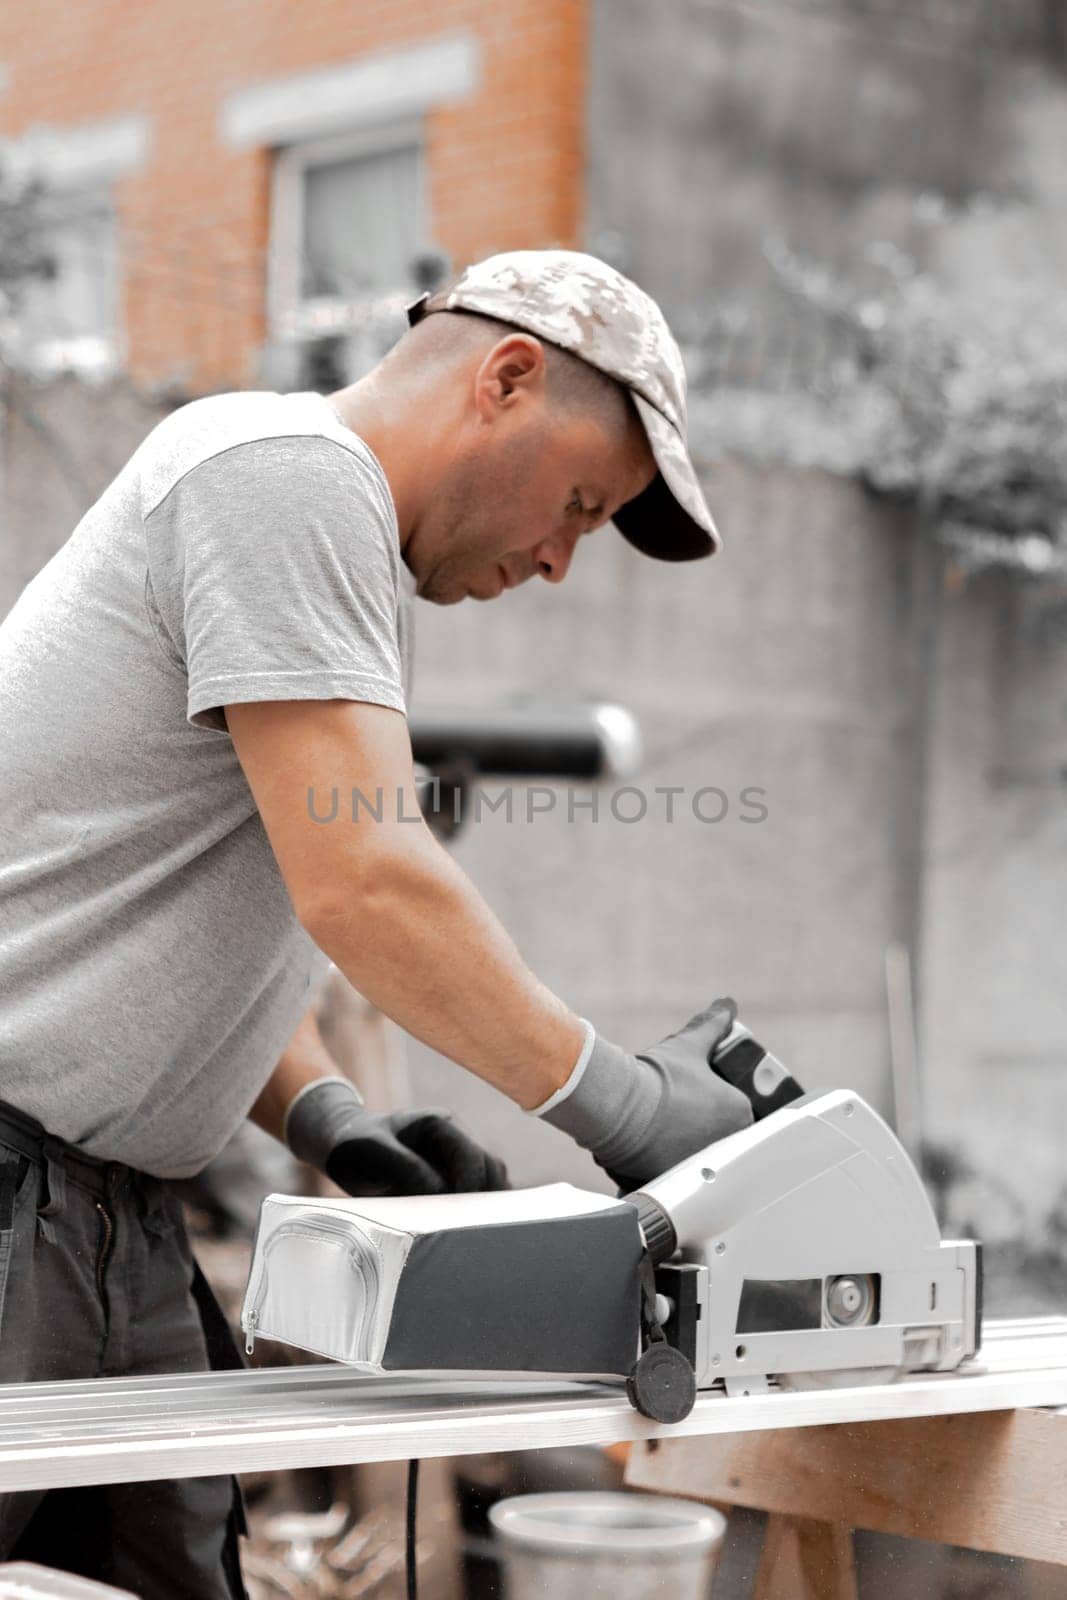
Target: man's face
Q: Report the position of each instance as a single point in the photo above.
(518, 495)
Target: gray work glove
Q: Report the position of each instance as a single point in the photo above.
(640, 1115)
(385, 1152)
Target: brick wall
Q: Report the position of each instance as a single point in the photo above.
(505, 167)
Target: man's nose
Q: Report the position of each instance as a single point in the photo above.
(553, 557)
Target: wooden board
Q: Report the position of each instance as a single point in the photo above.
(802, 1558)
(996, 1482)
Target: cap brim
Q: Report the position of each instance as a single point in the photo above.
(670, 521)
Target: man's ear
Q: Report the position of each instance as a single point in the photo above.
(512, 373)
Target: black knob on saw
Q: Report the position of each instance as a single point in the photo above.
(662, 1384)
(750, 1067)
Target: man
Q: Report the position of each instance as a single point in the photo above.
(222, 639)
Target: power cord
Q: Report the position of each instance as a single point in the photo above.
(411, 1565)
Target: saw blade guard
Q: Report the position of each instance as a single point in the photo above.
(820, 1250)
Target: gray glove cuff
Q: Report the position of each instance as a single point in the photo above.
(320, 1117)
(611, 1105)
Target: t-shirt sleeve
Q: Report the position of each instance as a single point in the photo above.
(274, 573)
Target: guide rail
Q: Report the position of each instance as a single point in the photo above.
(112, 1430)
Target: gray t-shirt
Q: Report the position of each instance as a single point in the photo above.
(152, 969)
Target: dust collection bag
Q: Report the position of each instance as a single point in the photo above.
(519, 1281)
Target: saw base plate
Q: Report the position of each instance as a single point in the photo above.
(841, 1378)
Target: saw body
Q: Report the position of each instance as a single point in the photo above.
(802, 1248)
(808, 1246)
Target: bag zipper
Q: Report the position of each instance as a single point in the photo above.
(368, 1266)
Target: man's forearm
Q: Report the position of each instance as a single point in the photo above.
(305, 1060)
(422, 945)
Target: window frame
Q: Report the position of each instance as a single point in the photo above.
(292, 319)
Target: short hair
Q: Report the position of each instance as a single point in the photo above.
(575, 387)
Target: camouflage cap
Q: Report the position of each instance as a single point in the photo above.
(583, 305)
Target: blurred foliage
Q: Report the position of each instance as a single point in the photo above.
(1025, 1254)
(921, 394)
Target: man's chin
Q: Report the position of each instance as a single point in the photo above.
(450, 594)
(498, 583)
(441, 594)
(453, 597)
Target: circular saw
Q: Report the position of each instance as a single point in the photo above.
(800, 1251)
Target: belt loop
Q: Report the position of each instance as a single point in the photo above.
(56, 1180)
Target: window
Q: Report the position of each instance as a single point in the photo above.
(347, 224)
(67, 318)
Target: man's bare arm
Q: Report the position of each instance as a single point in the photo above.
(387, 904)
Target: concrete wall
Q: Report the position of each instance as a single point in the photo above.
(840, 126)
(758, 669)
(995, 1020)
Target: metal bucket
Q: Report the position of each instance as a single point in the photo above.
(628, 1546)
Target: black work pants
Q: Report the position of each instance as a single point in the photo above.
(97, 1280)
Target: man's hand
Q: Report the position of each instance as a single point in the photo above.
(378, 1153)
(640, 1115)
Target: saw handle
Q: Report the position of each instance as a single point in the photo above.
(749, 1066)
